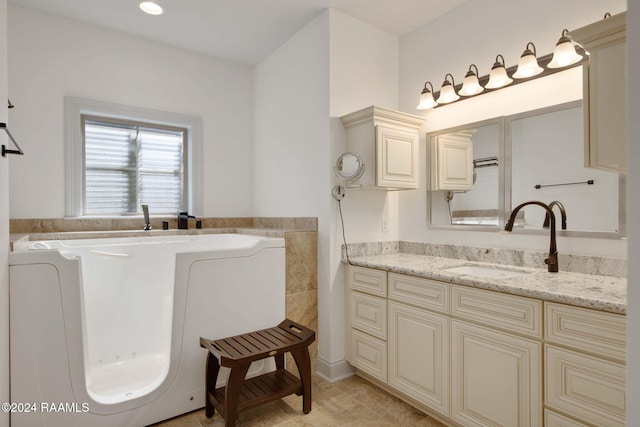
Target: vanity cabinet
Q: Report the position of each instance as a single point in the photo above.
(585, 364)
(452, 161)
(475, 357)
(496, 375)
(604, 80)
(387, 141)
(419, 340)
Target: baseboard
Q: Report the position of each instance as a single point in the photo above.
(335, 371)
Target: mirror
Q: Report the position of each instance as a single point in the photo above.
(547, 164)
(349, 168)
(540, 156)
(481, 205)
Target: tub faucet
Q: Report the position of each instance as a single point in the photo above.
(552, 260)
(147, 222)
(183, 220)
(563, 214)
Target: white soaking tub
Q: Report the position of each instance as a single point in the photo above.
(106, 331)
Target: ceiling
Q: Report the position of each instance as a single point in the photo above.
(244, 31)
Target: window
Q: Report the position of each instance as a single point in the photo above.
(127, 164)
(120, 157)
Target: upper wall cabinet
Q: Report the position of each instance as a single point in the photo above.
(604, 82)
(452, 161)
(387, 141)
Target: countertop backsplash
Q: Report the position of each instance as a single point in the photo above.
(586, 264)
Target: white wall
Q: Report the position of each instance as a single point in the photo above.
(291, 176)
(333, 66)
(364, 72)
(4, 224)
(633, 212)
(50, 57)
(475, 32)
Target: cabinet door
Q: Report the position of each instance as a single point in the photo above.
(419, 355)
(495, 378)
(453, 168)
(396, 158)
(604, 79)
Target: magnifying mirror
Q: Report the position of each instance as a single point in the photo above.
(349, 168)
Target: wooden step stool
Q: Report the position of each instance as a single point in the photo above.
(239, 351)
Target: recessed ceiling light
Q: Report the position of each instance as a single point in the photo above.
(151, 8)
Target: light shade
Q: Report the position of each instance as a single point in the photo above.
(564, 54)
(447, 92)
(471, 85)
(528, 64)
(151, 8)
(498, 76)
(426, 98)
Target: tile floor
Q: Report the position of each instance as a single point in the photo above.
(350, 402)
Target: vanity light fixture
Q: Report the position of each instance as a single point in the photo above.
(471, 86)
(528, 64)
(426, 98)
(498, 76)
(152, 8)
(564, 54)
(447, 92)
(567, 54)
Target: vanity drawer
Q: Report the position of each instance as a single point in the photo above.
(590, 330)
(367, 280)
(369, 314)
(592, 389)
(517, 314)
(369, 354)
(551, 419)
(424, 293)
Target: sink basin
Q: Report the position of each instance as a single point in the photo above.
(486, 272)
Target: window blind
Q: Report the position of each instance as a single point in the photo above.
(127, 164)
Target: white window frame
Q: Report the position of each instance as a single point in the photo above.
(75, 107)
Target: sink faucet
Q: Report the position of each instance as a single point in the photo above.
(563, 214)
(183, 220)
(147, 222)
(552, 260)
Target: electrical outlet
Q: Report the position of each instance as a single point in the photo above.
(383, 225)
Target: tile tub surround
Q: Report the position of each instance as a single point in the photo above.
(601, 266)
(584, 290)
(59, 225)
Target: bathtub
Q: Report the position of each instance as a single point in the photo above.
(105, 332)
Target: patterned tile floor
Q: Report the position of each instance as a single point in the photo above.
(350, 402)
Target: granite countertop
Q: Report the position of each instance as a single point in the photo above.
(584, 290)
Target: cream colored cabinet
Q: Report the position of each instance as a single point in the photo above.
(387, 141)
(496, 376)
(419, 355)
(604, 80)
(367, 315)
(585, 364)
(474, 357)
(452, 161)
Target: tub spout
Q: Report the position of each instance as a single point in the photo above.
(183, 220)
(147, 221)
(552, 260)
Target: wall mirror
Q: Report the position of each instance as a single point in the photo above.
(482, 204)
(540, 156)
